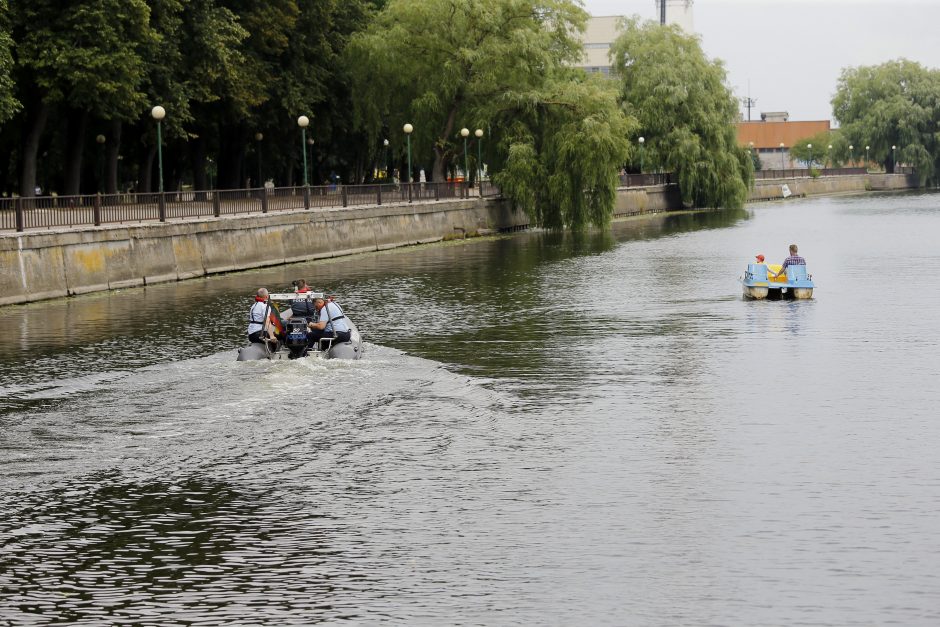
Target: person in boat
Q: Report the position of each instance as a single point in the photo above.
(260, 327)
(302, 307)
(759, 259)
(793, 260)
(331, 322)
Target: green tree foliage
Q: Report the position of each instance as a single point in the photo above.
(814, 151)
(755, 161)
(222, 69)
(82, 58)
(9, 105)
(892, 104)
(441, 64)
(686, 113)
(86, 53)
(504, 65)
(562, 145)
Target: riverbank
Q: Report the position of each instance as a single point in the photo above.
(52, 264)
(773, 189)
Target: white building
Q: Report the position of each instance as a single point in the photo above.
(599, 36)
(601, 32)
(678, 12)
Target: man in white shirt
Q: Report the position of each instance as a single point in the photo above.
(331, 323)
(260, 329)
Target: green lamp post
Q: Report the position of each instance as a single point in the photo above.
(158, 114)
(303, 122)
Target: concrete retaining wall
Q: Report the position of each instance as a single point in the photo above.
(827, 185)
(52, 264)
(633, 201)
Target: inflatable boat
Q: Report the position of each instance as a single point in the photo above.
(759, 285)
(293, 344)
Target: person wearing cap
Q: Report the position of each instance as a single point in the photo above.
(759, 258)
(792, 260)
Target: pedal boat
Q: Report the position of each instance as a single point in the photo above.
(759, 285)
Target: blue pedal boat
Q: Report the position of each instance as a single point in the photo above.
(795, 284)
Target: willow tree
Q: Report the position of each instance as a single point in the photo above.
(563, 144)
(504, 66)
(686, 113)
(892, 104)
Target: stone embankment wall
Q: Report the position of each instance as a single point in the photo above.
(632, 201)
(772, 189)
(51, 264)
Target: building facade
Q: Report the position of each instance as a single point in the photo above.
(599, 36)
(601, 31)
(772, 140)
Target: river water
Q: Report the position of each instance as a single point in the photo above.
(545, 430)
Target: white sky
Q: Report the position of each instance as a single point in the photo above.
(793, 51)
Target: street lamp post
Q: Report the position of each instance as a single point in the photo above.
(851, 154)
(408, 128)
(385, 143)
(642, 141)
(465, 132)
(313, 161)
(894, 163)
(479, 135)
(829, 155)
(867, 158)
(809, 159)
(303, 122)
(782, 162)
(258, 138)
(100, 139)
(158, 114)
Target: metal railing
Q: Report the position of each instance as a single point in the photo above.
(794, 173)
(646, 180)
(48, 212)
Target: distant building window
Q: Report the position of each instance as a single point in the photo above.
(603, 70)
(597, 46)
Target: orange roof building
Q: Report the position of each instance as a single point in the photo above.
(766, 137)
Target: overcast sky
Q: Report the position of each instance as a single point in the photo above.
(793, 51)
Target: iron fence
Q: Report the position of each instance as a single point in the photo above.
(795, 173)
(646, 180)
(46, 212)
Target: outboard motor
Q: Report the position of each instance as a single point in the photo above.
(296, 337)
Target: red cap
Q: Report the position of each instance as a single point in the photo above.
(760, 258)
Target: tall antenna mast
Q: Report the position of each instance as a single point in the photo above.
(749, 103)
(662, 12)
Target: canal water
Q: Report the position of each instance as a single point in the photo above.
(545, 430)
